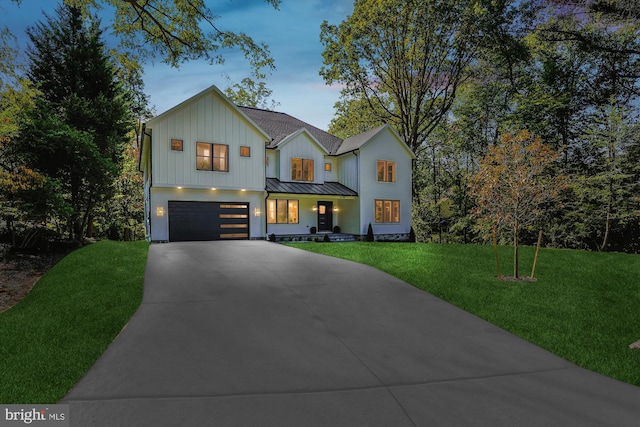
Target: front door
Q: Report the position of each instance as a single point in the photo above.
(325, 216)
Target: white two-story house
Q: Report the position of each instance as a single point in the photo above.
(213, 171)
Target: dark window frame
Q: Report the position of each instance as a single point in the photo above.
(208, 162)
(280, 217)
(304, 171)
(380, 211)
(388, 171)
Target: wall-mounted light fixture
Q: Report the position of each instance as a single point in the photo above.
(256, 211)
(213, 189)
(243, 189)
(179, 188)
(315, 208)
(160, 211)
(335, 209)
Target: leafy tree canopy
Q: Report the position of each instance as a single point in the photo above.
(250, 93)
(406, 59)
(176, 30)
(77, 128)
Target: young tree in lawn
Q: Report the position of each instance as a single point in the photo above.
(514, 186)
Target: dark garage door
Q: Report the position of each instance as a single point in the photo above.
(190, 221)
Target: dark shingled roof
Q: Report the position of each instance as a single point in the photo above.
(274, 185)
(280, 125)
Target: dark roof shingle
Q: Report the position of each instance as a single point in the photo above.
(280, 125)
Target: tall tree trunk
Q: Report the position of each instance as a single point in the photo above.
(607, 229)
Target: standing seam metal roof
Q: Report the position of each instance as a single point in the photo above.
(274, 185)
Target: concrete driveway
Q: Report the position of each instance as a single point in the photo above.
(253, 333)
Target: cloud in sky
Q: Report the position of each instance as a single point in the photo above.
(292, 34)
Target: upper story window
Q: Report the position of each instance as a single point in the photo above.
(212, 157)
(176, 144)
(301, 169)
(327, 167)
(245, 151)
(386, 171)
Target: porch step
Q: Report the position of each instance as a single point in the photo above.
(319, 237)
(339, 237)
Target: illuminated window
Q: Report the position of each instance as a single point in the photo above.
(282, 211)
(387, 211)
(212, 157)
(176, 144)
(327, 167)
(245, 151)
(386, 171)
(301, 169)
(266, 161)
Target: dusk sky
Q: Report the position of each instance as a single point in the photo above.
(292, 34)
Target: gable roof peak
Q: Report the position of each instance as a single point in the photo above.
(280, 125)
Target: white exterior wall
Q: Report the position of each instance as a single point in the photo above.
(346, 215)
(307, 217)
(207, 119)
(384, 146)
(160, 196)
(348, 171)
(331, 176)
(301, 146)
(272, 168)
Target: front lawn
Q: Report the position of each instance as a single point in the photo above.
(50, 339)
(584, 307)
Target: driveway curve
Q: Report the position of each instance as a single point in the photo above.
(252, 333)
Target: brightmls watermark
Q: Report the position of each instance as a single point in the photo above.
(36, 415)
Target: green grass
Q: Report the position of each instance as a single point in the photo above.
(50, 339)
(584, 307)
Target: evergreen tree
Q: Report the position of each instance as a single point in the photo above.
(77, 130)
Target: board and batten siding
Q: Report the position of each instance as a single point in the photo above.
(207, 119)
(348, 171)
(333, 174)
(272, 167)
(385, 146)
(301, 146)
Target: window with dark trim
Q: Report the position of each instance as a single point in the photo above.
(327, 167)
(212, 157)
(176, 144)
(386, 171)
(301, 169)
(282, 211)
(245, 151)
(387, 211)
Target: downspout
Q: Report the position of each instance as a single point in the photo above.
(358, 168)
(266, 219)
(148, 191)
(142, 134)
(358, 190)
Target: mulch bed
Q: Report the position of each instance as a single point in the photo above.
(518, 279)
(20, 271)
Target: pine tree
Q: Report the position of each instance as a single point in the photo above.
(77, 131)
